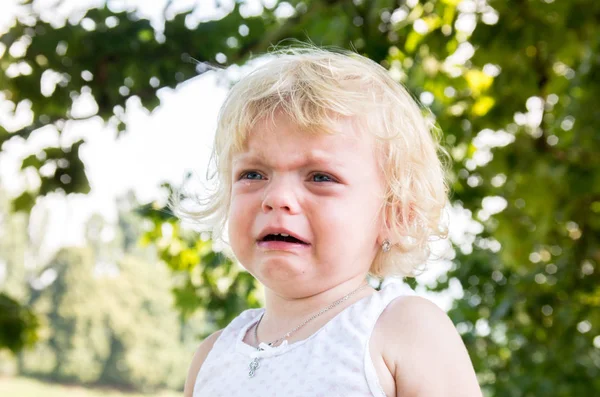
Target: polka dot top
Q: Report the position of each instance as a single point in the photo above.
(334, 361)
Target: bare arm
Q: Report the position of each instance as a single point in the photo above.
(427, 355)
(197, 362)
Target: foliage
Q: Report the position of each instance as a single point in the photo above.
(107, 324)
(18, 324)
(530, 311)
(206, 278)
(512, 85)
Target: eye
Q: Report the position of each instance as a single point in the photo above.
(318, 177)
(251, 175)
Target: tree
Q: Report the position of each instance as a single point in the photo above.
(18, 324)
(513, 86)
(107, 323)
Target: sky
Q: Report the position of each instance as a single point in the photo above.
(182, 126)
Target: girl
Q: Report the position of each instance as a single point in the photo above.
(328, 173)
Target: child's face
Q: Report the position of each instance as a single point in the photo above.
(324, 189)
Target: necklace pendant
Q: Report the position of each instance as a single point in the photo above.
(253, 366)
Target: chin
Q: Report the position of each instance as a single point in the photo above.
(280, 270)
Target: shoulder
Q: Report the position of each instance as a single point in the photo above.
(412, 315)
(197, 362)
(424, 352)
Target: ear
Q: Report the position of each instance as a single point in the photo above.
(389, 224)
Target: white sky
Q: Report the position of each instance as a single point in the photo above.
(157, 147)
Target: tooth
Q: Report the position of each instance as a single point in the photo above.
(284, 235)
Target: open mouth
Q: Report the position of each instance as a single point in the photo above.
(282, 237)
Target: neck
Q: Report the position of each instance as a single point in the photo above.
(283, 313)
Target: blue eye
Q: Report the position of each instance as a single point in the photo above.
(252, 175)
(321, 178)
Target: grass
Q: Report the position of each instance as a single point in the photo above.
(27, 387)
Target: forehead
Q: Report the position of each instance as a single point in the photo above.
(281, 139)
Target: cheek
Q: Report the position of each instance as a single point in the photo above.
(238, 219)
(239, 231)
(351, 225)
(240, 208)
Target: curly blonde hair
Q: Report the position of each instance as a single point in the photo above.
(314, 87)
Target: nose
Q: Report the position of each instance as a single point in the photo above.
(279, 195)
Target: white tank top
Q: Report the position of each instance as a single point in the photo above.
(334, 361)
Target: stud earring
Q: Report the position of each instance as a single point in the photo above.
(386, 246)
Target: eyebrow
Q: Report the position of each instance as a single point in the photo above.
(314, 157)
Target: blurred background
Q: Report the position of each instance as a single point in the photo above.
(106, 106)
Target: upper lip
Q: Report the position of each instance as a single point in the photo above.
(279, 230)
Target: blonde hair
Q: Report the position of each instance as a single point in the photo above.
(313, 87)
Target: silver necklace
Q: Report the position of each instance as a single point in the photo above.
(255, 363)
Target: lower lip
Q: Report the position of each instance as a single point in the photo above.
(281, 246)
